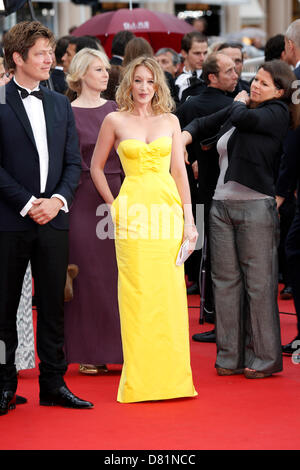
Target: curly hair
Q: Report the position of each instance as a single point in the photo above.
(21, 37)
(162, 101)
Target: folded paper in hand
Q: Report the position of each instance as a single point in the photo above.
(183, 253)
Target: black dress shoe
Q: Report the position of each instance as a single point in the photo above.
(7, 401)
(206, 337)
(286, 293)
(63, 397)
(292, 347)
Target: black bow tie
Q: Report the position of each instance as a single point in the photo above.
(25, 93)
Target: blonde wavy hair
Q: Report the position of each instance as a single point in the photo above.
(80, 64)
(162, 101)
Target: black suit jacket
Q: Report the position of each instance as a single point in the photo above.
(172, 87)
(255, 147)
(196, 87)
(289, 172)
(19, 159)
(59, 80)
(209, 101)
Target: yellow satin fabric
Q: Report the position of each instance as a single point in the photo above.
(148, 221)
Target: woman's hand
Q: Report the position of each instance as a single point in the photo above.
(190, 232)
(243, 97)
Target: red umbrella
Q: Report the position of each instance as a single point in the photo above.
(160, 29)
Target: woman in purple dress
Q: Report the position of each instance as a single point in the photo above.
(92, 325)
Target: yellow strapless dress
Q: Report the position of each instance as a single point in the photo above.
(148, 220)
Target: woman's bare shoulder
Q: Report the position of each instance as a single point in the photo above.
(116, 117)
(112, 119)
(171, 118)
(113, 116)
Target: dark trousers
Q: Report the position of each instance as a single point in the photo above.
(47, 250)
(287, 214)
(293, 260)
(193, 263)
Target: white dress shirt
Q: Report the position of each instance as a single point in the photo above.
(183, 80)
(35, 112)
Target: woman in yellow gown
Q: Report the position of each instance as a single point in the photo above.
(152, 216)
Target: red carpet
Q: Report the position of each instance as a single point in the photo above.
(229, 412)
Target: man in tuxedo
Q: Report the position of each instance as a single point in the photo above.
(194, 49)
(220, 77)
(39, 172)
(288, 181)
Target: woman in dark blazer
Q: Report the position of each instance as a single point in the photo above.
(244, 226)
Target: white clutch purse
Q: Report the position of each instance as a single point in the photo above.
(183, 253)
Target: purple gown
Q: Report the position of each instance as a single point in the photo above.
(92, 324)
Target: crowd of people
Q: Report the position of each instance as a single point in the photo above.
(91, 142)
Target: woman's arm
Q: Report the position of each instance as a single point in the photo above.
(178, 171)
(271, 118)
(207, 126)
(104, 144)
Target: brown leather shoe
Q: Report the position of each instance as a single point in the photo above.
(72, 272)
(256, 374)
(221, 371)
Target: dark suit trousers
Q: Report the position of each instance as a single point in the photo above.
(47, 250)
(287, 214)
(293, 260)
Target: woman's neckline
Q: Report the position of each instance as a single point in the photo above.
(92, 107)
